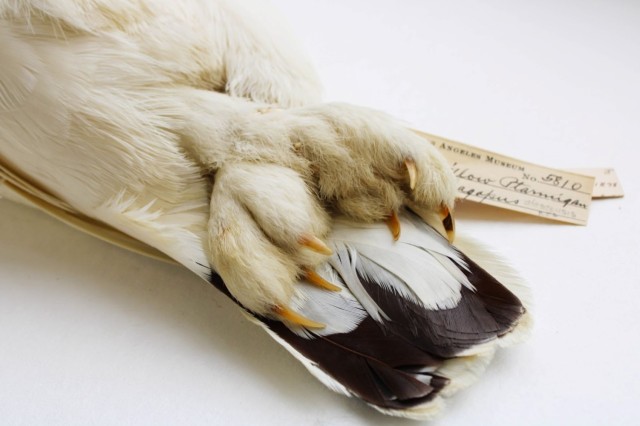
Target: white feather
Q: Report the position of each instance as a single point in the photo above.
(75, 94)
(340, 311)
(344, 262)
(421, 266)
(172, 228)
(375, 273)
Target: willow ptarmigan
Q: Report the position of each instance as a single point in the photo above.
(194, 130)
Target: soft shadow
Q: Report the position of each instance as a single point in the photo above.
(470, 211)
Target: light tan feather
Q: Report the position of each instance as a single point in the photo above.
(39, 198)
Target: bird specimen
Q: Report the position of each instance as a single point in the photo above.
(195, 131)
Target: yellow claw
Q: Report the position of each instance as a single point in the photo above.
(314, 278)
(448, 222)
(394, 225)
(411, 168)
(314, 243)
(288, 315)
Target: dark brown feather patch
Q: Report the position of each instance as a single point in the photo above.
(394, 364)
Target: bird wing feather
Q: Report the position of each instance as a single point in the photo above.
(21, 189)
(412, 316)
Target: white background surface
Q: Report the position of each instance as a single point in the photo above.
(91, 334)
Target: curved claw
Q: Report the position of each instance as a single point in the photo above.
(394, 225)
(287, 314)
(314, 243)
(410, 164)
(314, 278)
(448, 222)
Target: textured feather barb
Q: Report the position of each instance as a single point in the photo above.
(415, 318)
(144, 123)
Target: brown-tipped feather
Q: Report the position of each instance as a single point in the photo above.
(394, 364)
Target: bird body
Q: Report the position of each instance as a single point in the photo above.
(192, 131)
(415, 319)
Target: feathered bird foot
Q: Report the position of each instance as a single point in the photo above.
(289, 171)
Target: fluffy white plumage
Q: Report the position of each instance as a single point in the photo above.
(151, 124)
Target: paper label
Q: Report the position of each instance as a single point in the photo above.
(607, 184)
(489, 178)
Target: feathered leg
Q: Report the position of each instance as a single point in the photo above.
(116, 108)
(105, 109)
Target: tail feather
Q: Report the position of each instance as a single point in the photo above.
(378, 369)
(401, 334)
(401, 353)
(405, 361)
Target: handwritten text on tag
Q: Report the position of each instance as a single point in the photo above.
(501, 181)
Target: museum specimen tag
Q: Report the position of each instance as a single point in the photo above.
(607, 184)
(489, 178)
